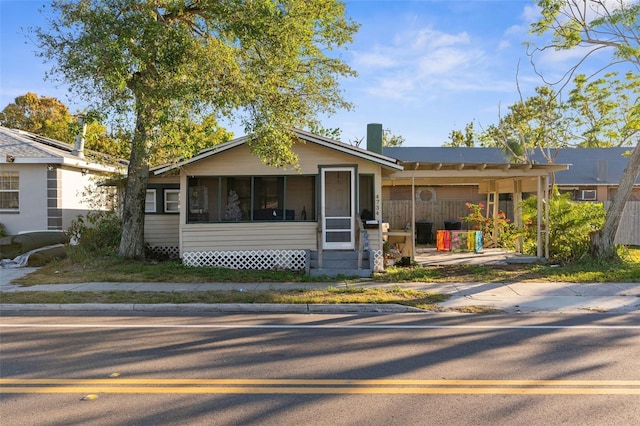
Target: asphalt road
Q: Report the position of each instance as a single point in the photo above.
(411, 369)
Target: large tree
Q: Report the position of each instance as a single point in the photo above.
(268, 62)
(597, 25)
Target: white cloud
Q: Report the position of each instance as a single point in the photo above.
(373, 60)
(430, 38)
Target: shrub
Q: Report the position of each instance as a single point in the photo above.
(3, 230)
(570, 226)
(96, 233)
(478, 221)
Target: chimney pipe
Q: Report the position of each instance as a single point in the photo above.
(78, 148)
(374, 138)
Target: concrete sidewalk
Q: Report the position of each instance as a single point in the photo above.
(507, 297)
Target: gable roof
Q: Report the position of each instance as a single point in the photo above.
(20, 147)
(382, 160)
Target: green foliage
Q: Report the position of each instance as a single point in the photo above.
(605, 111)
(570, 226)
(535, 123)
(269, 64)
(96, 233)
(3, 230)
(465, 138)
(40, 115)
(389, 139)
(477, 219)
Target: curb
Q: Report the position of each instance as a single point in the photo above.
(217, 307)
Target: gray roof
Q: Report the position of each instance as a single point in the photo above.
(18, 145)
(434, 154)
(591, 166)
(588, 166)
(32, 148)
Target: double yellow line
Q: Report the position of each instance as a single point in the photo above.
(320, 386)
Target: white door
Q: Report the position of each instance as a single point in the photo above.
(338, 208)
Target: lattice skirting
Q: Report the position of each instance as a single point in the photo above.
(169, 251)
(378, 260)
(248, 259)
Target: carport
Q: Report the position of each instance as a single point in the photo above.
(492, 179)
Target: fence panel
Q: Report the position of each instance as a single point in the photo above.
(629, 228)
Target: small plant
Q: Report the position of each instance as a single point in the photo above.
(501, 225)
(3, 230)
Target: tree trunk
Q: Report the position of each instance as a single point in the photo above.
(602, 242)
(132, 240)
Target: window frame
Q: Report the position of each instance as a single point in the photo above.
(10, 176)
(155, 201)
(166, 202)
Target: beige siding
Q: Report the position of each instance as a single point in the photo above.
(240, 162)
(249, 236)
(162, 230)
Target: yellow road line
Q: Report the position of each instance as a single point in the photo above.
(316, 382)
(317, 390)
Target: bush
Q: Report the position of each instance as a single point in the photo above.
(478, 221)
(570, 226)
(97, 233)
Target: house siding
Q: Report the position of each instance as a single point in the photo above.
(239, 161)
(162, 230)
(248, 236)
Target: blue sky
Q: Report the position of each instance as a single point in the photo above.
(425, 67)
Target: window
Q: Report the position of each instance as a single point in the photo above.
(150, 201)
(172, 201)
(366, 194)
(9, 194)
(251, 198)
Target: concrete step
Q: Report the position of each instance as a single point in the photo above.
(339, 254)
(346, 272)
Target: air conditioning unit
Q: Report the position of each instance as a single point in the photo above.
(588, 195)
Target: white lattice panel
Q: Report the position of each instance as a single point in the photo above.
(248, 259)
(378, 260)
(170, 252)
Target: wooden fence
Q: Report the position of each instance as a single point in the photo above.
(398, 214)
(629, 228)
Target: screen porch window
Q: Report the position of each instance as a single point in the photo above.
(251, 198)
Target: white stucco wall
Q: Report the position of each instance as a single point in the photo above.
(32, 214)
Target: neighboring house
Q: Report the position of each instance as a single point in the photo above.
(42, 181)
(224, 207)
(594, 174)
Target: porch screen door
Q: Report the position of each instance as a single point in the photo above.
(338, 208)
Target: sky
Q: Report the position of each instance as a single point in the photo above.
(424, 68)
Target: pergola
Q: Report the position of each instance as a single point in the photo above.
(492, 179)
